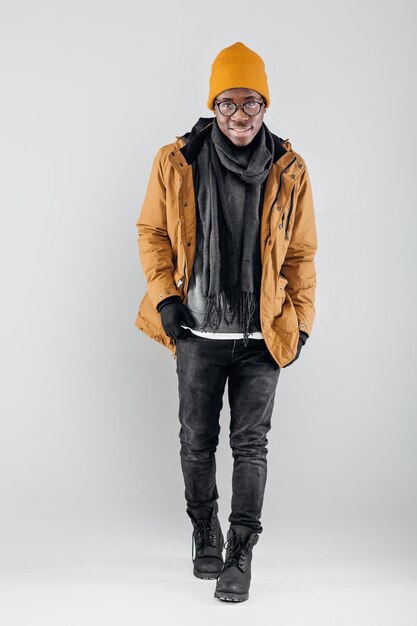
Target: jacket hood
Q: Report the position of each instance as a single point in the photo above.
(194, 138)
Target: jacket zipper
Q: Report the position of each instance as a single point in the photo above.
(276, 197)
(289, 212)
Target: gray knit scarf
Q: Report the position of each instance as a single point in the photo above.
(229, 183)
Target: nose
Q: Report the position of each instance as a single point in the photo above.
(239, 114)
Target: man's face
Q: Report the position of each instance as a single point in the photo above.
(239, 127)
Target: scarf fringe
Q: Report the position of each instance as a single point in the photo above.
(225, 305)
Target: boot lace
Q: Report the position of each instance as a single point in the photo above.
(236, 553)
(204, 534)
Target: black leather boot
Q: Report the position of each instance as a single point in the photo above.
(234, 579)
(207, 542)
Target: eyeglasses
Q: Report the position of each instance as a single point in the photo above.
(229, 108)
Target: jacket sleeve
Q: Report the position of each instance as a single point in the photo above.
(299, 266)
(155, 251)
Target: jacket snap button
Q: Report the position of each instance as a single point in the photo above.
(185, 204)
(270, 241)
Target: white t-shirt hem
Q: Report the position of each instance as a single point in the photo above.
(208, 335)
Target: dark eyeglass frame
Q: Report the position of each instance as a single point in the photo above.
(237, 106)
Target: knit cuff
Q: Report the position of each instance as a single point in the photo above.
(303, 336)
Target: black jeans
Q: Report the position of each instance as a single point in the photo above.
(203, 365)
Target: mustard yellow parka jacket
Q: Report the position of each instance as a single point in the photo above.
(288, 242)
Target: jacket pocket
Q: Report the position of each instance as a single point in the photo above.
(285, 323)
(279, 294)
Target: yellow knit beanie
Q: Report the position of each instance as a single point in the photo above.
(237, 66)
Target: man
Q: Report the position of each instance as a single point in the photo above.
(227, 240)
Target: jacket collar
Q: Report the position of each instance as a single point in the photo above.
(194, 138)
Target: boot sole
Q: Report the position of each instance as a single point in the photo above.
(231, 597)
(206, 575)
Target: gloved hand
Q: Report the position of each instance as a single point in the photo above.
(303, 338)
(172, 314)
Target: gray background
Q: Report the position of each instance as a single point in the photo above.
(93, 525)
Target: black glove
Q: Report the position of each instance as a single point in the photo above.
(173, 311)
(303, 338)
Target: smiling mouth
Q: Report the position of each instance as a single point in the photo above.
(241, 130)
